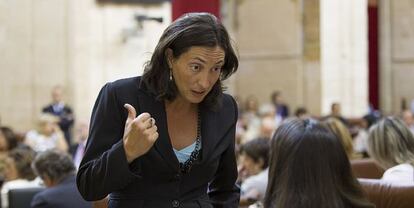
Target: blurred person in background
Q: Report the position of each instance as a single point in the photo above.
(57, 171)
(391, 144)
(253, 171)
(268, 124)
(77, 150)
(250, 119)
(60, 109)
(282, 110)
(361, 138)
(47, 136)
(302, 113)
(8, 139)
(342, 133)
(336, 113)
(18, 172)
(408, 119)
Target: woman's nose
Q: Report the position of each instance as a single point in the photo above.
(204, 81)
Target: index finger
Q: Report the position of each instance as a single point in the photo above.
(143, 117)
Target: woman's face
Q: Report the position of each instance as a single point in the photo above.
(47, 128)
(250, 166)
(196, 71)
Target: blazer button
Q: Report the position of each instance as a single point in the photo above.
(177, 177)
(175, 203)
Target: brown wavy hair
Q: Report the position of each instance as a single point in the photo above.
(191, 29)
(309, 168)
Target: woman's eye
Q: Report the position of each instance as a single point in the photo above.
(195, 68)
(217, 69)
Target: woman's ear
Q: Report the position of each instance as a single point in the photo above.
(169, 56)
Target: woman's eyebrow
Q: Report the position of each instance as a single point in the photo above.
(220, 62)
(200, 59)
(204, 61)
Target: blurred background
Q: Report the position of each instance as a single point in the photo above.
(359, 54)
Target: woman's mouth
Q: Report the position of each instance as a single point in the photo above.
(198, 93)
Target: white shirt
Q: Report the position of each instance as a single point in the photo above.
(400, 173)
(361, 141)
(39, 142)
(257, 182)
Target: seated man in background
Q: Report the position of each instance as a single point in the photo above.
(58, 173)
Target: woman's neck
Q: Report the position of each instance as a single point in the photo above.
(180, 106)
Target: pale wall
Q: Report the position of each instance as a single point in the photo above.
(281, 42)
(74, 43)
(268, 35)
(397, 53)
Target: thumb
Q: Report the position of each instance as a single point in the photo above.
(132, 113)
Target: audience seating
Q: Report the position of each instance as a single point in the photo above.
(366, 168)
(21, 198)
(388, 195)
(383, 194)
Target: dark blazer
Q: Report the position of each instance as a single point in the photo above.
(154, 179)
(282, 110)
(63, 195)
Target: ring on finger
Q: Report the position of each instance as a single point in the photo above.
(152, 122)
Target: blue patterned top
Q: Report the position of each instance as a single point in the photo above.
(185, 153)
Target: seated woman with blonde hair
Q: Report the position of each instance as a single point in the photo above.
(340, 130)
(391, 144)
(47, 136)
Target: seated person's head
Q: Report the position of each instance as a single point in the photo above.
(47, 124)
(254, 156)
(18, 164)
(301, 113)
(391, 143)
(309, 168)
(341, 132)
(53, 166)
(8, 139)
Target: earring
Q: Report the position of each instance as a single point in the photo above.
(170, 75)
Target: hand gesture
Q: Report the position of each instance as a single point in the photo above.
(139, 135)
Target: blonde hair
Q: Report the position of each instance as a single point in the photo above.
(391, 143)
(46, 118)
(342, 133)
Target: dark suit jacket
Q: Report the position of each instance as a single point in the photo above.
(63, 195)
(154, 179)
(282, 110)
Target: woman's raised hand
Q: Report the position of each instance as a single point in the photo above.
(139, 135)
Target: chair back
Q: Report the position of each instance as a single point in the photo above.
(388, 195)
(366, 168)
(22, 197)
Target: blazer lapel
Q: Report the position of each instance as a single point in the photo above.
(163, 144)
(209, 133)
